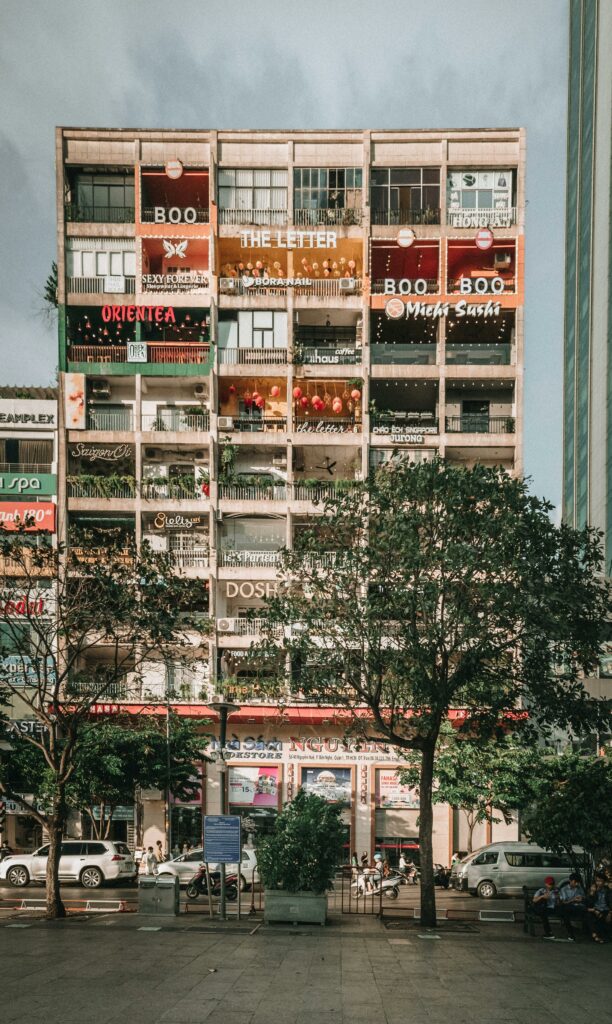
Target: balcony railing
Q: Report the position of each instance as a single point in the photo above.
(200, 215)
(320, 491)
(175, 490)
(327, 425)
(26, 467)
(99, 214)
(252, 356)
(498, 354)
(427, 215)
(98, 285)
(253, 492)
(158, 352)
(324, 560)
(330, 355)
(109, 419)
(100, 487)
(252, 217)
(336, 217)
(90, 556)
(249, 424)
(480, 423)
(404, 422)
(241, 626)
(454, 285)
(190, 559)
(249, 559)
(403, 354)
(432, 285)
(337, 287)
(317, 288)
(176, 420)
(146, 693)
(482, 218)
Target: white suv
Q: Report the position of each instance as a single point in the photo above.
(89, 862)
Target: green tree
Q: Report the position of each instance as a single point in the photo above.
(118, 754)
(74, 626)
(574, 811)
(448, 588)
(305, 849)
(487, 781)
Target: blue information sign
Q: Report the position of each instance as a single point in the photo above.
(222, 838)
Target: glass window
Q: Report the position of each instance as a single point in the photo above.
(89, 264)
(252, 189)
(129, 264)
(515, 860)
(326, 188)
(123, 849)
(71, 849)
(96, 849)
(486, 858)
(102, 264)
(43, 852)
(405, 195)
(116, 263)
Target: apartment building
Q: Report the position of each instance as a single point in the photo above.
(250, 320)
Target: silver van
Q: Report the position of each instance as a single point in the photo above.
(502, 869)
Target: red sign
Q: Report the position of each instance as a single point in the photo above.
(138, 314)
(484, 238)
(174, 169)
(41, 515)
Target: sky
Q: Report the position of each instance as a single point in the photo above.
(285, 64)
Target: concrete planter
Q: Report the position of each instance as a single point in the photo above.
(295, 907)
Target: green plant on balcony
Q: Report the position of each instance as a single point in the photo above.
(509, 425)
(182, 486)
(299, 353)
(227, 463)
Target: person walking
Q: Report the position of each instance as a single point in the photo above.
(159, 852)
(151, 862)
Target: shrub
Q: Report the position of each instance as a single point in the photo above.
(305, 849)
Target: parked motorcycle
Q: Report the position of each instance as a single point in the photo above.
(198, 885)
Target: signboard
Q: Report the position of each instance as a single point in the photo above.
(27, 483)
(174, 169)
(253, 787)
(28, 413)
(74, 401)
(138, 314)
(21, 670)
(41, 515)
(484, 238)
(222, 839)
(121, 813)
(288, 239)
(181, 281)
(334, 785)
(434, 310)
(405, 237)
(136, 351)
(114, 283)
(163, 521)
(248, 590)
(390, 793)
(101, 452)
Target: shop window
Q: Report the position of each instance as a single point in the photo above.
(327, 188)
(250, 189)
(480, 190)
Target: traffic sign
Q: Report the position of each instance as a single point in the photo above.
(484, 238)
(222, 839)
(405, 237)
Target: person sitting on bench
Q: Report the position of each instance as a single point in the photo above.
(599, 908)
(544, 903)
(572, 903)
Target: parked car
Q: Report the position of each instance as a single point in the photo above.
(186, 865)
(502, 869)
(89, 862)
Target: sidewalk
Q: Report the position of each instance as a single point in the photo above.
(105, 970)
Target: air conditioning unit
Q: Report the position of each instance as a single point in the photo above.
(347, 284)
(502, 260)
(100, 388)
(228, 285)
(225, 423)
(200, 391)
(225, 625)
(153, 454)
(279, 460)
(200, 455)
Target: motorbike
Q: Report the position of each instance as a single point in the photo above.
(389, 886)
(442, 876)
(198, 885)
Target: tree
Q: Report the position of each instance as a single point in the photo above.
(73, 626)
(487, 781)
(118, 754)
(574, 811)
(304, 851)
(450, 588)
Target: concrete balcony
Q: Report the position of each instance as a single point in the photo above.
(153, 358)
(175, 421)
(77, 212)
(252, 356)
(477, 423)
(111, 420)
(253, 492)
(334, 217)
(409, 354)
(94, 286)
(498, 354)
(407, 216)
(103, 488)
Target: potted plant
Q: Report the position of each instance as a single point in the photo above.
(298, 861)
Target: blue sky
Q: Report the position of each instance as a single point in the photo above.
(306, 64)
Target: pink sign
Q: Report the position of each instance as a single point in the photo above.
(484, 238)
(253, 786)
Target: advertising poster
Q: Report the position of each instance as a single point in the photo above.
(39, 516)
(255, 786)
(393, 794)
(74, 401)
(332, 784)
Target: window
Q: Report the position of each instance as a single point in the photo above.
(327, 188)
(72, 849)
(405, 195)
(100, 197)
(486, 858)
(247, 189)
(96, 849)
(262, 329)
(98, 261)
(123, 849)
(480, 190)
(43, 852)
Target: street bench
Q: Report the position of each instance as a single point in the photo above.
(530, 917)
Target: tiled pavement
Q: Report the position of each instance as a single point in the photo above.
(106, 971)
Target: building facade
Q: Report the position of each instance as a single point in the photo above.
(250, 321)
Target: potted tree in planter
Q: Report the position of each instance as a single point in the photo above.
(297, 862)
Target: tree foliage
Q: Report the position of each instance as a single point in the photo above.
(574, 810)
(433, 587)
(305, 849)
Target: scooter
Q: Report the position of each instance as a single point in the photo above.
(388, 886)
(198, 885)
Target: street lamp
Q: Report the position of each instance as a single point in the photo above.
(224, 709)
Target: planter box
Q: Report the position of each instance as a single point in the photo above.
(295, 907)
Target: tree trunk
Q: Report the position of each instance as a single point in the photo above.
(471, 824)
(57, 827)
(428, 891)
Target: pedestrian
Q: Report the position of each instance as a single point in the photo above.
(544, 903)
(159, 852)
(599, 908)
(572, 903)
(364, 860)
(402, 866)
(151, 861)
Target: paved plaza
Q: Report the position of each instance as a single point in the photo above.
(131, 969)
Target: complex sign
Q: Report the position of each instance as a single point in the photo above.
(334, 785)
(480, 218)
(39, 516)
(28, 413)
(288, 239)
(27, 483)
(324, 427)
(396, 309)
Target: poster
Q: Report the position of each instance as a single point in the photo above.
(393, 794)
(253, 786)
(332, 784)
(74, 401)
